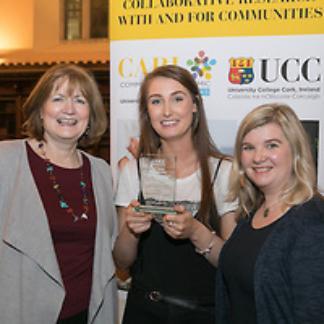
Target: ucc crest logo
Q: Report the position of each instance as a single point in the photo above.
(241, 70)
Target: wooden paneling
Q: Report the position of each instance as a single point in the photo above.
(16, 82)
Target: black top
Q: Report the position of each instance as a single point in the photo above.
(289, 269)
(173, 266)
(239, 257)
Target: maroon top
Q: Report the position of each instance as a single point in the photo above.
(73, 241)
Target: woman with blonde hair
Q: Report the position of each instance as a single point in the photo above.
(272, 268)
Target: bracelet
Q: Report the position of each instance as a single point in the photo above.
(206, 251)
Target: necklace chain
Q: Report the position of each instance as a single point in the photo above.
(57, 188)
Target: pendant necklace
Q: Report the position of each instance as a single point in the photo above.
(266, 210)
(57, 188)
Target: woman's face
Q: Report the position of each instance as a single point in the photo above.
(65, 114)
(170, 108)
(266, 158)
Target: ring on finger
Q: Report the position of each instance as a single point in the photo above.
(170, 223)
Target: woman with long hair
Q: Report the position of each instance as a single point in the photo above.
(173, 262)
(272, 268)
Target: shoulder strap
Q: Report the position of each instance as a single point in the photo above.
(140, 194)
(213, 217)
(216, 171)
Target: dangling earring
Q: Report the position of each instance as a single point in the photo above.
(242, 179)
(196, 117)
(86, 133)
(42, 124)
(195, 120)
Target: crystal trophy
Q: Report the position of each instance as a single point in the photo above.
(158, 182)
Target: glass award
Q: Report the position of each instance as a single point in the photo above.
(158, 184)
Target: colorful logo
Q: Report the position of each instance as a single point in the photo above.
(241, 70)
(201, 66)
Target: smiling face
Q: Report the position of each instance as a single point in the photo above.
(170, 108)
(266, 158)
(65, 113)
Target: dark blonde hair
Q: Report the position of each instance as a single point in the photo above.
(203, 144)
(77, 77)
(302, 185)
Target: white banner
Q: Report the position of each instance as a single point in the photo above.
(235, 74)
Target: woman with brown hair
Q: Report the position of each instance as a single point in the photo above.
(57, 218)
(173, 263)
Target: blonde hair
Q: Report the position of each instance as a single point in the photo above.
(302, 185)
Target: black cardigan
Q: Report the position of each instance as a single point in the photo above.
(289, 271)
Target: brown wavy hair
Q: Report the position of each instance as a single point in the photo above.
(203, 144)
(77, 77)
